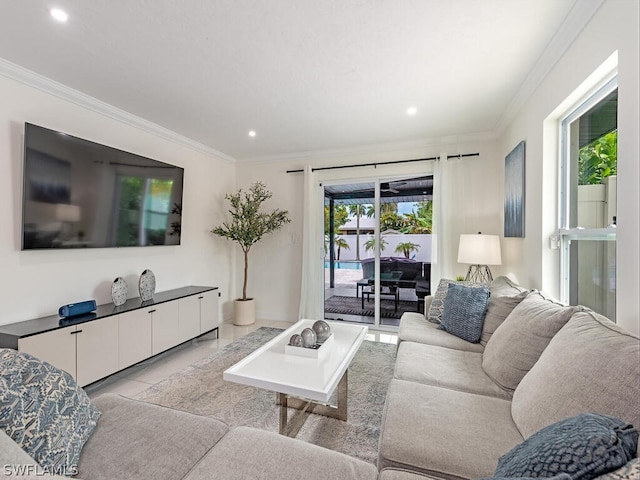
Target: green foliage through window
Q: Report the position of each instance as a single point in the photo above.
(598, 160)
(340, 218)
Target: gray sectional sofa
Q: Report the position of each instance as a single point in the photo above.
(138, 440)
(454, 408)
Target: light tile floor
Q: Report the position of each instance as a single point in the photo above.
(136, 379)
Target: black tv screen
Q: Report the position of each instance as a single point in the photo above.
(80, 194)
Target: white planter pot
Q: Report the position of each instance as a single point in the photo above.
(245, 312)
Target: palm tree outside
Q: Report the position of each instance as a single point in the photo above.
(371, 244)
(406, 248)
(358, 211)
(340, 243)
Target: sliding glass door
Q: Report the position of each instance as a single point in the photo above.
(377, 237)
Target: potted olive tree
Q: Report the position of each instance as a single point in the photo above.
(247, 226)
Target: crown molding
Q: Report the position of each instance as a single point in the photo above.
(373, 149)
(573, 24)
(44, 84)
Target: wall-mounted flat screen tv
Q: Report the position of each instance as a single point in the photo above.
(80, 194)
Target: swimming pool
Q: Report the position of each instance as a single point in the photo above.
(345, 265)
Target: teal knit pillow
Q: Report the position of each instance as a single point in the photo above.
(464, 311)
(436, 307)
(584, 447)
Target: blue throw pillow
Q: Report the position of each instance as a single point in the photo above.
(464, 311)
(44, 411)
(584, 447)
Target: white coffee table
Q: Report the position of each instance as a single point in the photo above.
(312, 381)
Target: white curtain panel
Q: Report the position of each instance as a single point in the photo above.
(438, 244)
(311, 292)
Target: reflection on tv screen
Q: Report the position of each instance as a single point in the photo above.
(80, 194)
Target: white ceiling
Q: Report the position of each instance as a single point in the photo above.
(306, 75)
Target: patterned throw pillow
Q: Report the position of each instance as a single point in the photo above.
(44, 411)
(464, 311)
(584, 446)
(434, 315)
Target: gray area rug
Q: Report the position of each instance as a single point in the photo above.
(353, 306)
(200, 389)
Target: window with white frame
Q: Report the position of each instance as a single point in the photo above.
(587, 227)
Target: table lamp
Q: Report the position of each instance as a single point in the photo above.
(479, 251)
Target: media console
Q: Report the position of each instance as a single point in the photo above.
(112, 338)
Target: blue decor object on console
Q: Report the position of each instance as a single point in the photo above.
(75, 309)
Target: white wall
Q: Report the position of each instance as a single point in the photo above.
(613, 28)
(36, 283)
(474, 192)
(473, 195)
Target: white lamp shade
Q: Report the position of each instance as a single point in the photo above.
(478, 249)
(67, 213)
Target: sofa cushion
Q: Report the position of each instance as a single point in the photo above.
(516, 345)
(505, 287)
(443, 432)
(583, 446)
(498, 310)
(395, 474)
(591, 365)
(261, 455)
(44, 411)
(464, 311)
(434, 314)
(414, 327)
(138, 440)
(445, 367)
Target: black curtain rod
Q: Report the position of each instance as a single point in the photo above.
(375, 164)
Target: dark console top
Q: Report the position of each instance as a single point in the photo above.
(9, 334)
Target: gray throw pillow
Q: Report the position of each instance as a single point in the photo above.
(504, 287)
(498, 310)
(590, 365)
(44, 411)
(464, 311)
(517, 344)
(434, 314)
(584, 446)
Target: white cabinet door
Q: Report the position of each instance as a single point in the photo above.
(189, 318)
(209, 318)
(164, 326)
(96, 349)
(57, 347)
(134, 337)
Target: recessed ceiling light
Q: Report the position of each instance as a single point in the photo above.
(59, 15)
(412, 110)
(252, 133)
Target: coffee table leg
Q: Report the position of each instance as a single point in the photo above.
(291, 427)
(282, 401)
